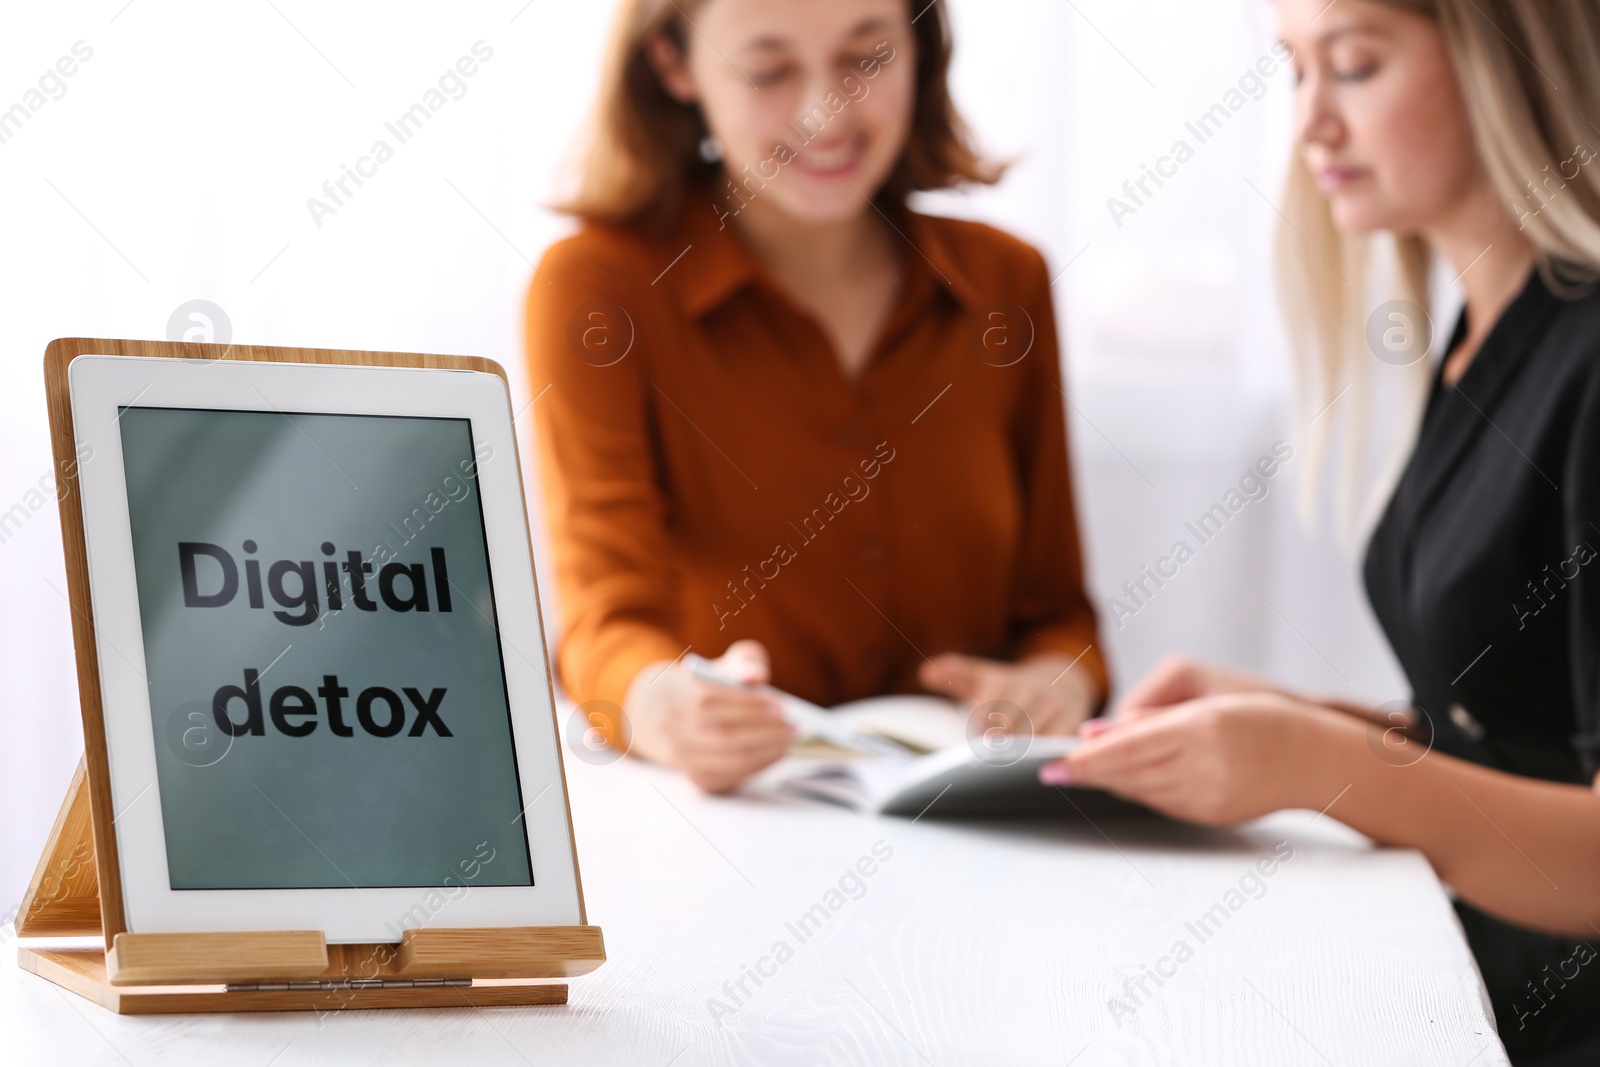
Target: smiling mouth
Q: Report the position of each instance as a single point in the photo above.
(836, 161)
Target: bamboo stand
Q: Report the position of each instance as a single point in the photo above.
(148, 974)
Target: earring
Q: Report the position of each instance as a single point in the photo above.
(711, 148)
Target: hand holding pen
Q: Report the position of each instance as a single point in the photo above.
(719, 732)
(806, 717)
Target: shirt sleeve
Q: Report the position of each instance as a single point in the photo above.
(1050, 608)
(605, 508)
(1580, 493)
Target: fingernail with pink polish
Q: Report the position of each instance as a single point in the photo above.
(1055, 774)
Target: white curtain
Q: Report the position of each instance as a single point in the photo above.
(180, 157)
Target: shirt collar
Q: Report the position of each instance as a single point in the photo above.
(713, 263)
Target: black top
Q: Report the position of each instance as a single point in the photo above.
(1485, 575)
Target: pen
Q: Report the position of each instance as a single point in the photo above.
(804, 715)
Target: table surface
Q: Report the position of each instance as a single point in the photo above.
(968, 943)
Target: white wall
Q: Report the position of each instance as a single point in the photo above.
(178, 162)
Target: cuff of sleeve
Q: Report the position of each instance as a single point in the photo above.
(610, 681)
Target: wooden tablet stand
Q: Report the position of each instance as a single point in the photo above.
(145, 974)
(279, 970)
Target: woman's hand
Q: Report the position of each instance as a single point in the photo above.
(1177, 679)
(1055, 698)
(718, 735)
(1218, 760)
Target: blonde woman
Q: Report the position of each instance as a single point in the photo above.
(1466, 130)
(785, 420)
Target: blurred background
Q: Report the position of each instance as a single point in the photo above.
(176, 163)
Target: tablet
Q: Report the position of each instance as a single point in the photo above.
(322, 664)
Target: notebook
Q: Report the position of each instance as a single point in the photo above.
(944, 773)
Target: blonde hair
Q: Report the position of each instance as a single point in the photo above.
(643, 146)
(1529, 72)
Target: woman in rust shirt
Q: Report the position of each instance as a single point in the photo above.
(785, 420)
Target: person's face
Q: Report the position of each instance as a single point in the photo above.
(814, 97)
(1379, 115)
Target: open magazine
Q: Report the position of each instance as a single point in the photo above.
(942, 774)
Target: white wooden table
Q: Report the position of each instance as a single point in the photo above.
(970, 944)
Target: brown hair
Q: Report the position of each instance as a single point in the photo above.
(643, 148)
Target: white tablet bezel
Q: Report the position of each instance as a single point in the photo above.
(100, 386)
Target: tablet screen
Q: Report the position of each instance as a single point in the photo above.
(321, 651)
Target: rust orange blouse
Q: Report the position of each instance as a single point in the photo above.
(710, 473)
